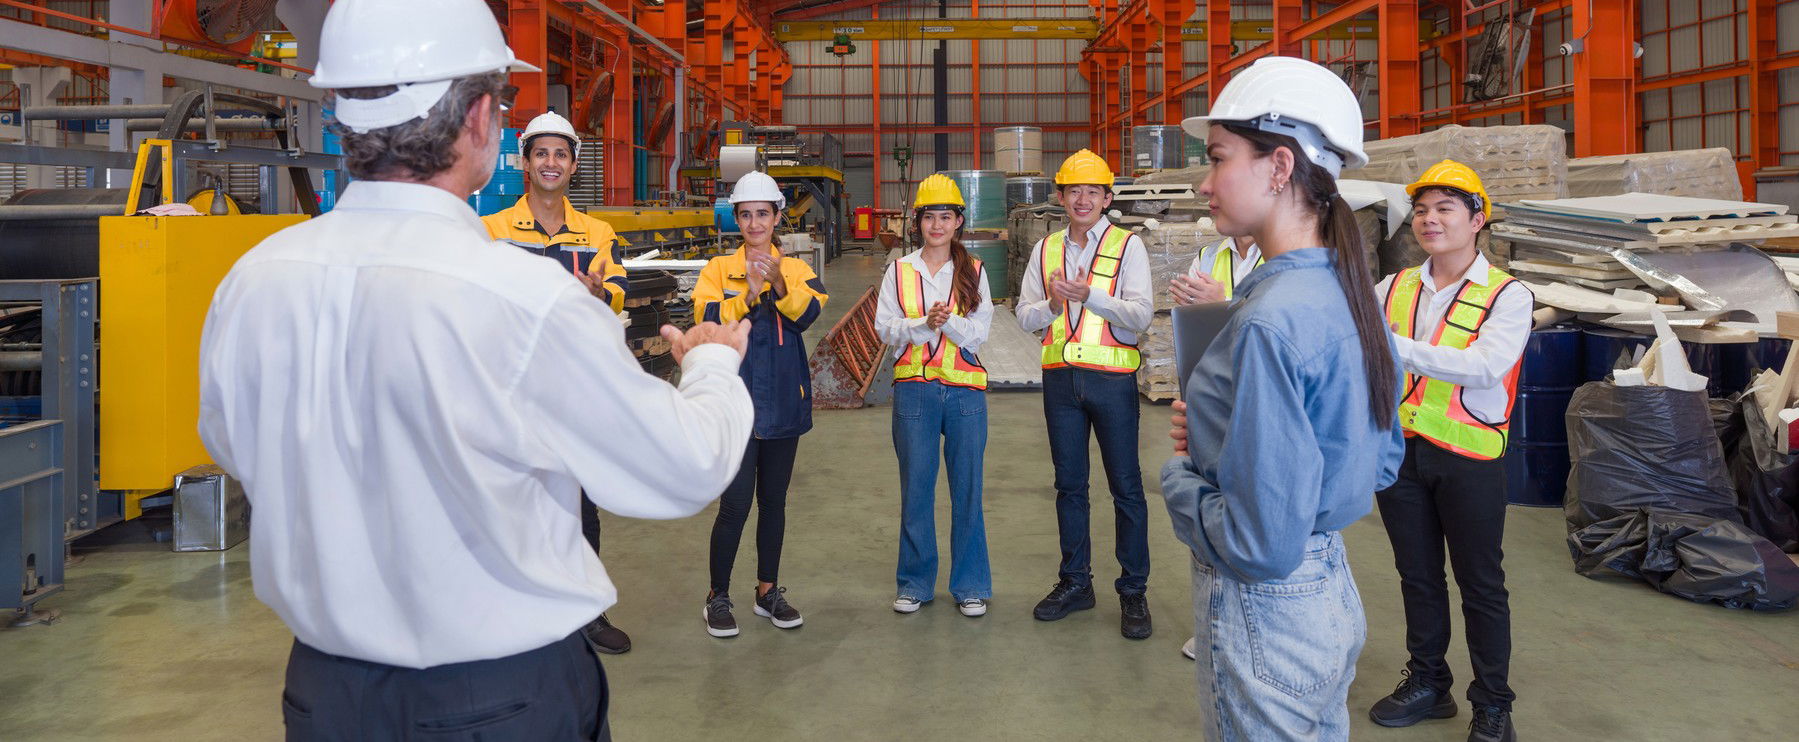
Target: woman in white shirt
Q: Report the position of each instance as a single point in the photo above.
(936, 308)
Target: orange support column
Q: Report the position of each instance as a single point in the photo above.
(621, 178)
(1287, 16)
(1400, 94)
(1605, 72)
(1764, 91)
(1136, 45)
(1219, 47)
(1174, 59)
(528, 30)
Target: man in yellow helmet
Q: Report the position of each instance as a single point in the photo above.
(1460, 326)
(544, 222)
(1087, 288)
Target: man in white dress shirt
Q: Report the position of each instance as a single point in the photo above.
(391, 387)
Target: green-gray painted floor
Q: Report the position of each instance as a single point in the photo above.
(159, 645)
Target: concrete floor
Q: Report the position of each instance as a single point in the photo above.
(158, 645)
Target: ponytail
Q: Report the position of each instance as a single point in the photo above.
(1337, 224)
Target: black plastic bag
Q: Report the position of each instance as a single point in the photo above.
(1767, 481)
(1698, 558)
(1643, 448)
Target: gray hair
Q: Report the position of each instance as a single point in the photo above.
(420, 148)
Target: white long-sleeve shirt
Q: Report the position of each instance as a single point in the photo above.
(1129, 312)
(414, 409)
(968, 332)
(1479, 369)
(1241, 263)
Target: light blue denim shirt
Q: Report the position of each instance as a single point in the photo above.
(1282, 443)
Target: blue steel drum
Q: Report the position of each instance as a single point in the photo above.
(1553, 358)
(726, 216)
(1536, 474)
(509, 168)
(1604, 345)
(1536, 463)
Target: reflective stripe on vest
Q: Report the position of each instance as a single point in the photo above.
(1093, 346)
(1433, 408)
(1224, 269)
(942, 361)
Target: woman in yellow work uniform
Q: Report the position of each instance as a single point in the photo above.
(936, 307)
(781, 297)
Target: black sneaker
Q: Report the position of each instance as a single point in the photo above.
(605, 637)
(773, 606)
(1066, 597)
(719, 621)
(1133, 620)
(1411, 702)
(1491, 724)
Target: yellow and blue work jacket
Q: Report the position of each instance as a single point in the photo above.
(583, 245)
(774, 369)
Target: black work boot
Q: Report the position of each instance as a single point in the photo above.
(1491, 724)
(1412, 702)
(1063, 599)
(1133, 620)
(606, 638)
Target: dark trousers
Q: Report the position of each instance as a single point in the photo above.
(1076, 401)
(555, 692)
(767, 468)
(590, 523)
(1442, 499)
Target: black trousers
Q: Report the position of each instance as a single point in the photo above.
(1444, 499)
(767, 469)
(590, 522)
(555, 692)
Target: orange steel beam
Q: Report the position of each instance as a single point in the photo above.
(1605, 101)
(1400, 96)
(1219, 48)
(1287, 20)
(1533, 74)
(874, 83)
(527, 29)
(1764, 89)
(1174, 60)
(1469, 32)
(1305, 30)
(974, 81)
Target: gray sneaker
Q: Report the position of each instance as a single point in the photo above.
(773, 606)
(719, 621)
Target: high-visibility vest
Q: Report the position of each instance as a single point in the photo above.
(1224, 269)
(1092, 346)
(940, 361)
(1433, 408)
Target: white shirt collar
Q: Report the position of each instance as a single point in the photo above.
(390, 195)
(916, 258)
(1098, 230)
(1477, 272)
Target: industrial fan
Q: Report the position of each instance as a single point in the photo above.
(229, 23)
(1496, 56)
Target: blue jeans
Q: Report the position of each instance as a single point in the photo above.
(1276, 658)
(1076, 401)
(923, 414)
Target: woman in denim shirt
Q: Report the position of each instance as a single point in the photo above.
(1287, 427)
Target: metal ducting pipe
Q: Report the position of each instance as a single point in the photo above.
(56, 247)
(80, 113)
(21, 360)
(21, 212)
(199, 124)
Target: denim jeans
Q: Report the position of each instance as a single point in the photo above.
(1275, 658)
(1076, 401)
(925, 413)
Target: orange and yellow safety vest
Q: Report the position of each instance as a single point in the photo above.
(1433, 408)
(1092, 345)
(940, 361)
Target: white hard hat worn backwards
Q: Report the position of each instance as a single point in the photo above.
(758, 186)
(1297, 98)
(550, 123)
(419, 45)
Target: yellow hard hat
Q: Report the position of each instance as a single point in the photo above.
(1456, 176)
(938, 190)
(1084, 168)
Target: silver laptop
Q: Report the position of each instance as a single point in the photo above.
(1195, 327)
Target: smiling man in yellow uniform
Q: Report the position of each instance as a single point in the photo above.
(544, 222)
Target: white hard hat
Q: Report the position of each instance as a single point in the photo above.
(757, 186)
(1301, 99)
(550, 123)
(419, 45)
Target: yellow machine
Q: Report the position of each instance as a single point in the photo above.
(679, 232)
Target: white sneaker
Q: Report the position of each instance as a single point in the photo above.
(906, 604)
(1187, 649)
(972, 607)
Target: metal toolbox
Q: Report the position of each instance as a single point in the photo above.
(211, 512)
